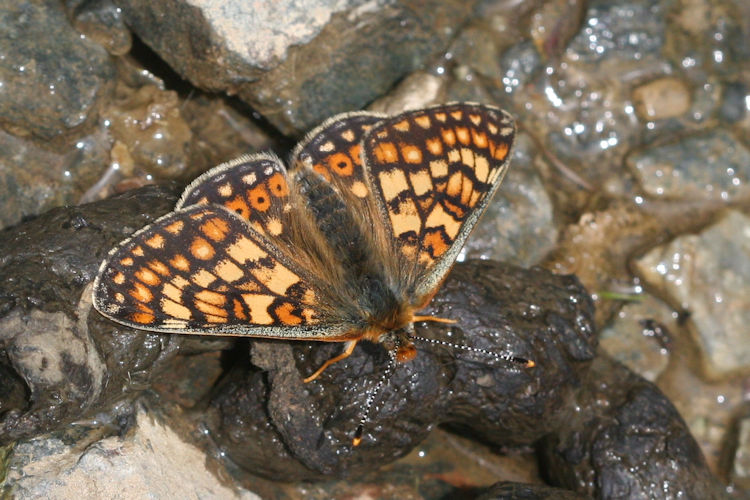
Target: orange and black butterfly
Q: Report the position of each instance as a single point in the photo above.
(348, 244)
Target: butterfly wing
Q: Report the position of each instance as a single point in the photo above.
(333, 150)
(432, 173)
(254, 187)
(203, 270)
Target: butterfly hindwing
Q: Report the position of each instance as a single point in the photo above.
(432, 172)
(255, 187)
(333, 150)
(203, 270)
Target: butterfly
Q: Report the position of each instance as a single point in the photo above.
(348, 244)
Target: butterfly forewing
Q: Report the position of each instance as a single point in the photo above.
(433, 171)
(203, 270)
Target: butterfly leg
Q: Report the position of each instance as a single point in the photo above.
(433, 318)
(347, 352)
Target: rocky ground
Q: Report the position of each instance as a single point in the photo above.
(630, 172)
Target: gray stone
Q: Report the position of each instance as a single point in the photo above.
(51, 77)
(150, 461)
(639, 337)
(35, 179)
(518, 226)
(711, 165)
(708, 274)
(741, 460)
(297, 62)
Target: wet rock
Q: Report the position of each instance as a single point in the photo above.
(266, 421)
(661, 98)
(599, 246)
(52, 79)
(519, 491)
(102, 21)
(640, 336)
(740, 461)
(36, 179)
(55, 352)
(148, 120)
(707, 275)
(576, 112)
(296, 63)
(711, 165)
(554, 24)
(418, 90)
(626, 441)
(309, 428)
(148, 461)
(518, 226)
(707, 37)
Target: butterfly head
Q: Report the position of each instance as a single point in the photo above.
(398, 340)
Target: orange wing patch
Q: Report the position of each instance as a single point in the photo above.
(434, 171)
(253, 187)
(333, 150)
(226, 278)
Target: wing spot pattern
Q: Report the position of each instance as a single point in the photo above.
(225, 190)
(438, 168)
(201, 249)
(463, 135)
(259, 198)
(327, 147)
(159, 267)
(402, 126)
(348, 135)
(360, 190)
(423, 121)
(278, 186)
(211, 297)
(285, 313)
(180, 262)
(141, 293)
(479, 139)
(175, 309)
(411, 154)
(341, 164)
(258, 306)
(449, 137)
(175, 227)
(203, 278)
(406, 219)
(215, 228)
(244, 250)
(434, 146)
(386, 152)
(274, 227)
(228, 271)
(421, 182)
(278, 278)
(392, 183)
(147, 277)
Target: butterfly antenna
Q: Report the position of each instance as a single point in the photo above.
(372, 395)
(526, 363)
